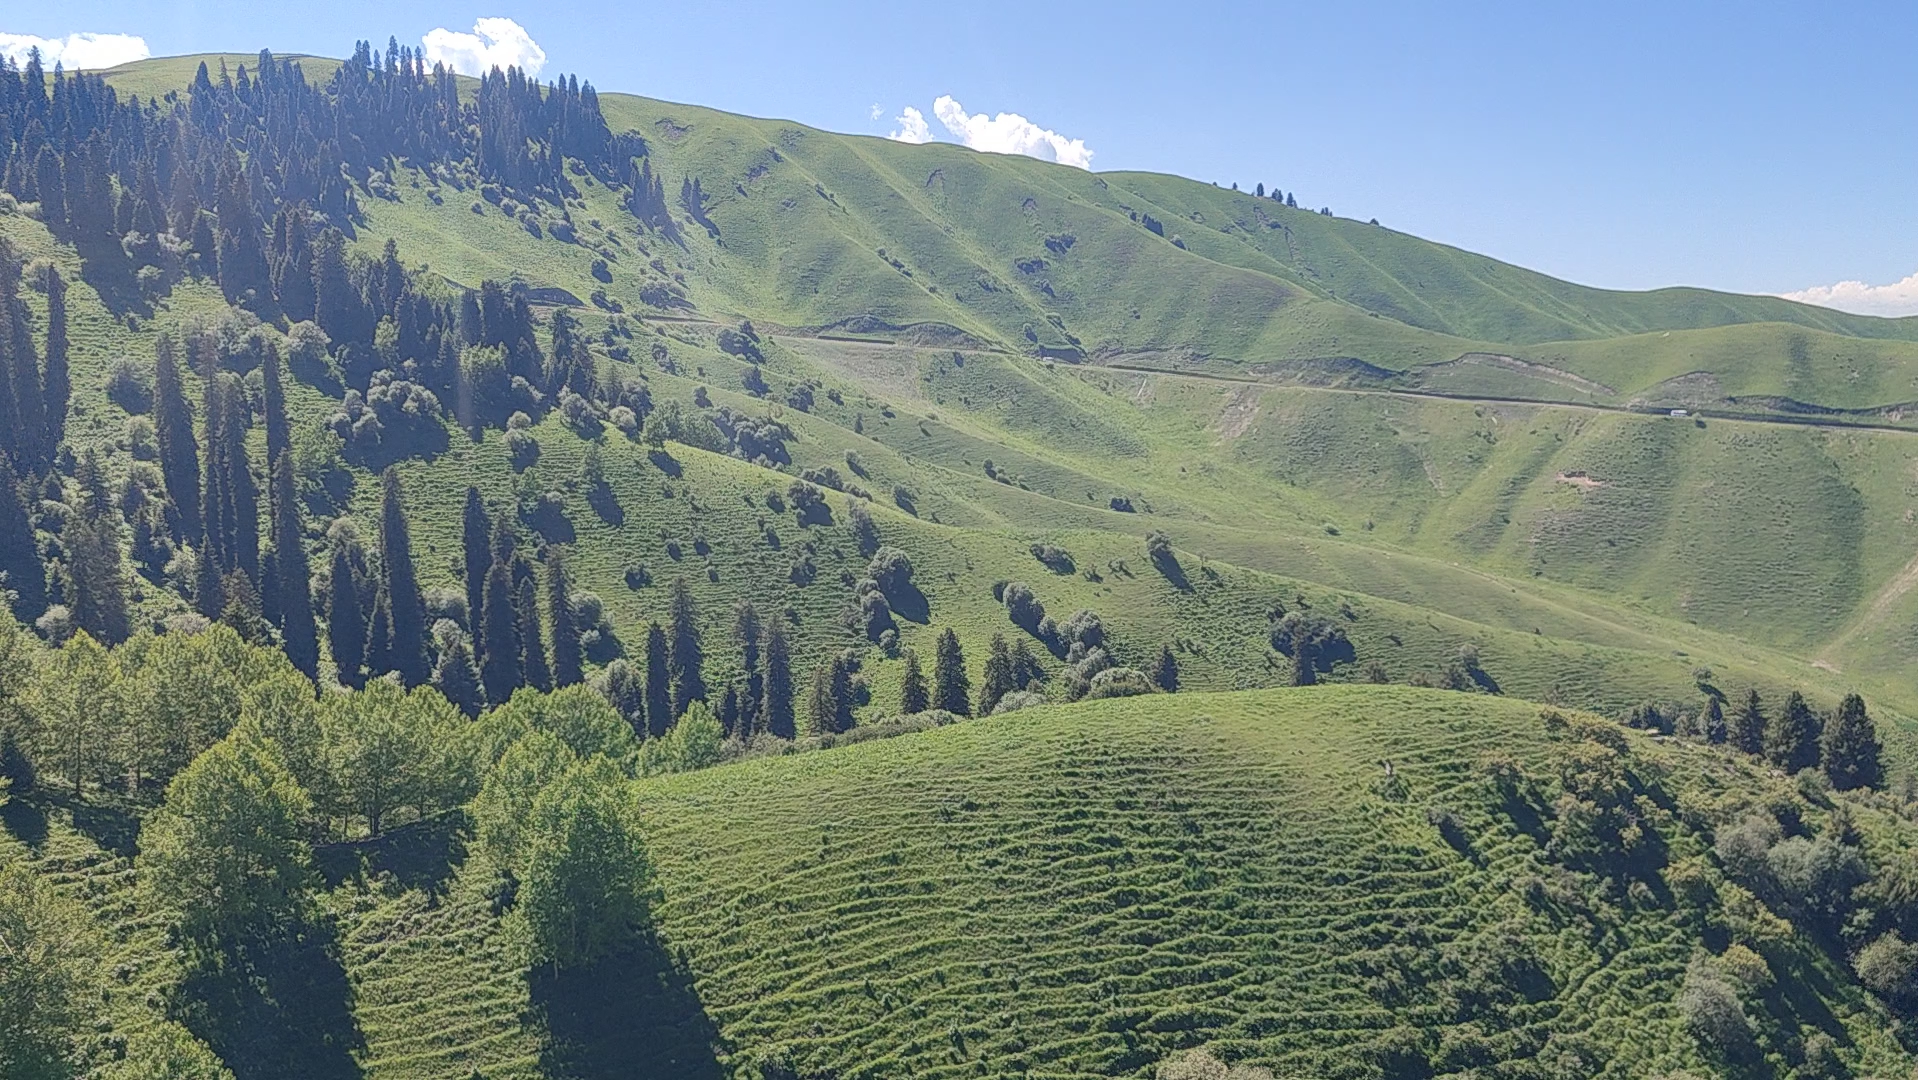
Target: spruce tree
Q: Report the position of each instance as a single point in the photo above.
(1851, 748)
(996, 681)
(1711, 721)
(499, 636)
(659, 682)
(778, 706)
(241, 610)
(532, 644)
(688, 658)
(292, 573)
(179, 453)
(345, 622)
(94, 561)
(1791, 739)
(405, 606)
(57, 382)
(1165, 671)
(477, 555)
(379, 635)
(1026, 672)
(819, 701)
(279, 437)
(914, 696)
(21, 571)
(456, 678)
(1747, 729)
(746, 633)
(951, 687)
(568, 658)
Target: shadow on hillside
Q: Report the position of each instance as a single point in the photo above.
(635, 1014)
(1168, 566)
(606, 504)
(279, 1010)
(110, 825)
(422, 855)
(910, 604)
(27, 823)
(665, 463)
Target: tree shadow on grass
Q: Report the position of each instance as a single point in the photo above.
(278, 1010)
(27, 823)
(631, 1015)
(422, 855)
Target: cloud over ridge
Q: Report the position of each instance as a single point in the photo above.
(1893, 300)
(1006, 133)
(76, 52)
(494, 42)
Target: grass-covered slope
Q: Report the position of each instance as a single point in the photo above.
(1075, 892)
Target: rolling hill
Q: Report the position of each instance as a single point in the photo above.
(1459, 472)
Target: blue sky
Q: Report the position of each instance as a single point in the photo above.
(1755, 147)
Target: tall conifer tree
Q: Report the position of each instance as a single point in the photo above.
(777, 655)
(687, 656)
(476, 553)
(499, 656)
(345, 621)
(951, 687)
(659, 682)
(532, 644)
(752, 691)
(179, 453)
(569, 662)
(292, 573)
(406, 608)
(57, 383)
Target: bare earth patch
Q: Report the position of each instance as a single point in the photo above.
(1579, 479)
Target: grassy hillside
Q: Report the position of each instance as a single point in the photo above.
(1335, 882)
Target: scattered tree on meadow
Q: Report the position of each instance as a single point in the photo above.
(1791, 739)
(914, 695)
(829, 705)
(686, 658)
(1747, 729)
(499, 622)
(1850, 747)
(1711, 721)
(997, 679)
(778, 707)
(951, 687)
(659, 681)
(747, 630)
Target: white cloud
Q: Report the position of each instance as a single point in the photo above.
(500, 43)
(1006, 133)
(1010, 133)
(912, 127)
(877, 112)
(1898, 298)
(76, 52)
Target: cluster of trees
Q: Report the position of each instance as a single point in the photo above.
(1844, 746)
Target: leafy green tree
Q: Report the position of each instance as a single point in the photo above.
(659, 682)
(227, 849)
(388, 748)
(281, 711)
(996, 681)
(532, 644)
(778, 707)
(78, 704)
(1748, 726)
(505, 801)
(623, 688)
(695, 741)
(1791, 739)
(951, 687)
(576, 715)
(1851, 748)
(584, 887)
(687, 657)
(569, 662)
(914, 695)
(406, 606)
(166, 1051)
(49, 983)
